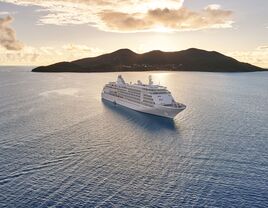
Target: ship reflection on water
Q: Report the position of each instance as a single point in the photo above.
(146, 121)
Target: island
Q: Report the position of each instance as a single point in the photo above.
(126, 60)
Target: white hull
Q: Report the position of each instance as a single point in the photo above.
(168, 112)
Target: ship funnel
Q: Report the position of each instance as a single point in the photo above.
(151, 80)
(120, 80)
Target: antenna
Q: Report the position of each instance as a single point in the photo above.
(150, 80)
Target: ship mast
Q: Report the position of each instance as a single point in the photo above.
(151, 80)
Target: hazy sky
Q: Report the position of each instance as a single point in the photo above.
(36, 32)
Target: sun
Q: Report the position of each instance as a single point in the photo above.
(161, 29)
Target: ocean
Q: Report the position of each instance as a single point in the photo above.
(61, 146)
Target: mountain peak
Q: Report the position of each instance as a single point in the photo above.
(124, 51)
(155, 52)
(196, 50)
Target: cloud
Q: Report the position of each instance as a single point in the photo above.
(45, 55)
(130, 15)
(4, 13)
(257, 56)
(263, 47)
(27, 55)
(76, 47)
(213, 7)
(81, 49)
(8, 35)
(172, 19)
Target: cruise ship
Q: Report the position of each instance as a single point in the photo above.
(147, 98)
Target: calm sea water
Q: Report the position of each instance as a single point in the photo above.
(61, 146)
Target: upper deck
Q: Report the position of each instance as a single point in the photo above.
(149, 88)
(141, 87)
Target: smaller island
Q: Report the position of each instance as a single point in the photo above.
(126, 60)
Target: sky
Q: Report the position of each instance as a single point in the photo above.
(42, 32)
